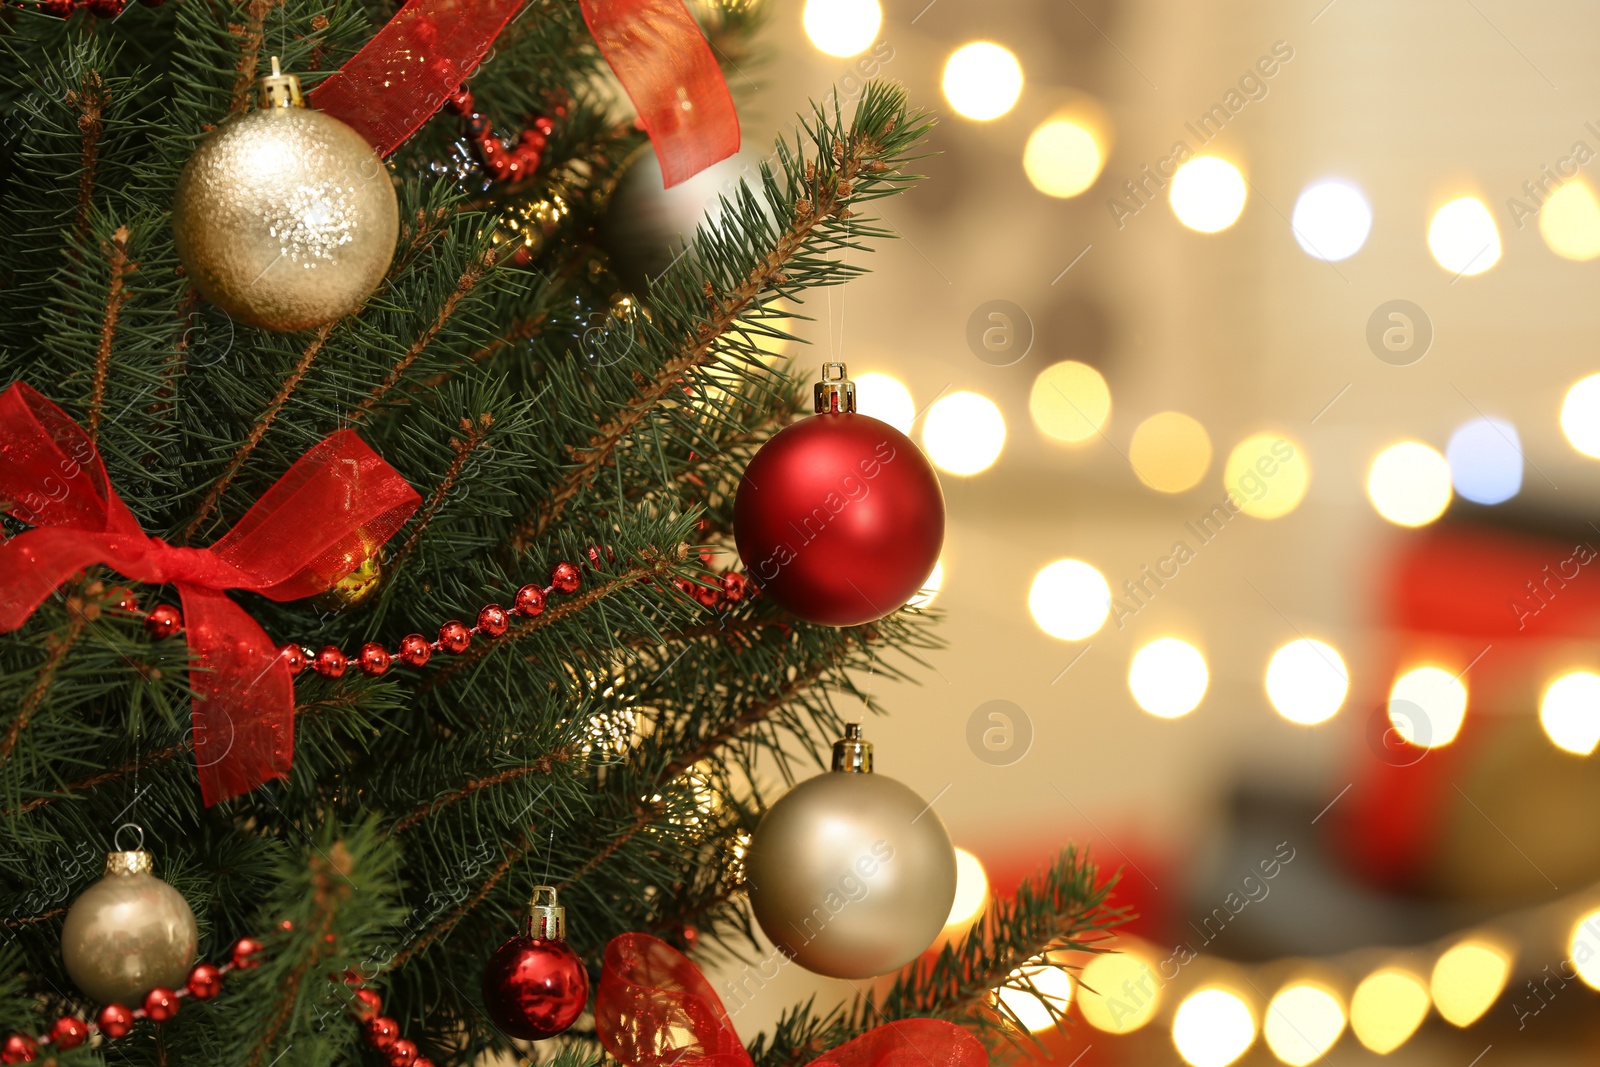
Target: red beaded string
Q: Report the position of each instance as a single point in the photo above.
(380, 1031)
(116, 1020)
(503, 163)
(63, 9)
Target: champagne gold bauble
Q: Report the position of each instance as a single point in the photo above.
(128, 933)
(285, 217)
(851, 874)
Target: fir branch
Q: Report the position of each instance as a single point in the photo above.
(59, 645)
(251, 35)
(85, 784)
(258, 431)
(543, 765)
(474, 433)
(31, 920)
(90, 101)
(116, 253)
(513, 855)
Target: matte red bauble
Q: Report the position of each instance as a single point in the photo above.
(839, 518)
(535, 985)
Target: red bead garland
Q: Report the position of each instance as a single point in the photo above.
(160, 1004)
(381, 1032)
(504, 163)
(205, 981)
(114, 1021)
(69, 1032)
(19, 1049)
(164, 620)
(330, 662)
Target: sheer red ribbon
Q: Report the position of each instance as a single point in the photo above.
(405, 73)
(655, 1009)
(329, 511)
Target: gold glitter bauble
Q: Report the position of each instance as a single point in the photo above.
(128, 933)
(285, 217)
(353, 589)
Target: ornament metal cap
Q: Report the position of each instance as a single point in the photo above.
(836, 392)
(278, 89)
(852, 753)
(135, 862)
(548, 921)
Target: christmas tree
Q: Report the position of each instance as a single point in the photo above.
(599, 701)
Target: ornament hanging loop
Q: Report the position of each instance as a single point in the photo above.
(545, 920)
(116, 838)
(836, 392)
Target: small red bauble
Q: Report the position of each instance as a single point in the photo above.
(126, 601)
(733, 584)
(164, 620)
(245, 951)
(61, 9)
(330, 662)
(205, 981)
(565, 577)
(839, 517)
(415, 650)
(114, 1021)
(295, 657)
(706, 595)
(106, 9)
(69, 1032)
(161, 1004)
(454, 637)
(382, 1032)
(402, 1053)
(422, 1061)
(374, 658)
(534, 985)
(493, 620)
(367, 1004)
(529, 601)
(19, 1048)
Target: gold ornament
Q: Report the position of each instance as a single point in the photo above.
(285, 217)
(128, 933)
(851, 874)
(353, 589)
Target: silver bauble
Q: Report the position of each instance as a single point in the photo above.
(851, 874)
(128, 933)
(285, 217)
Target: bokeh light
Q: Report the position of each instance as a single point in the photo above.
(1054, 987)
(1070, 401)
(963, 433)
(1569, 221)
(1118, 992)
(1207, 194)
(1570, 712)
(1387, 1008)
(1212, 1028)
(1467, 980)
(1580, 415)
(1427, 706)
(972, 889)
(842, 27)
(1063, 158)
(1303, 1021)
(924, 597)
(1170, 452)
(1331, 220)
(1409, 484)
(1463, 237)
(1485, 457)
(1584, 948)
(982, 80)
(1307, 681)
(1168, 677)
(885, 397)
(1267, 474)
(1069, 599)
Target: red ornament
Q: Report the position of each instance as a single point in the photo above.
(529, 601)
(733, 584)
(493, 620)
(106, 9)
(839, 517)
(126, 601)
(415, 650)
(114, 1021)
(160, 1004)
(454, 637)
(245, 951)
(330, 662)
(69, 1032)
(534, 985)
(295, 656)
(565, 577)
(402, 1053)
(19, 1048)
(367, 1004)
(382, 1032)
(61, 9)
(205, 982)
(164, 620)
(374, 658)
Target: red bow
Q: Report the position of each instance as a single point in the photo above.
(655, 1009)
(316, 524)
(405, 73)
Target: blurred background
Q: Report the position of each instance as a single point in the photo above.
(1252, 344)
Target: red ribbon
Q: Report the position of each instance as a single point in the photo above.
(317, 523)
(655, 1009)
(407, 71)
